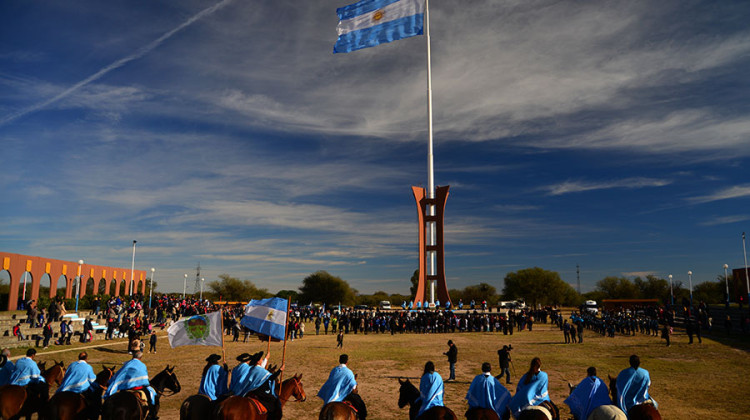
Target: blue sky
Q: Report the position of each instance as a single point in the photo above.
(609, 134)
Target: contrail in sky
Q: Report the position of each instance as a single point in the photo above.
(117, 64)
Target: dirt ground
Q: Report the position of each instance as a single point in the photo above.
(688, 381)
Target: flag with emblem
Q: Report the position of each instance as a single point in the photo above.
(197, 330)
(266, 316)
(368, 23)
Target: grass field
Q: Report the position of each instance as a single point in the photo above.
(688, 381)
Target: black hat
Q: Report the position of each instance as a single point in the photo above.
(214, 358)
(244, 357)
(254, 359)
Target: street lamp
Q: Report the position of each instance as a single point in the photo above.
(132, 270)
(671, 290)
(184, 285)
(78, 283)
(151, 290)
(690, 279)
(726, 281)
(202, 280)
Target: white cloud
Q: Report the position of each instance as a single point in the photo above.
(736, 191)
(569, 187)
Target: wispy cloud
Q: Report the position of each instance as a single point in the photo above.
(726, 220)
(736, 191)
(569, 187)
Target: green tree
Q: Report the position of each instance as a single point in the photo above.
(653, 288)
(322, 287)
(539, 287)
(709, 292)
(414, 284)
(292, 295)
(618, 288)
(478, 293)
(229, 288)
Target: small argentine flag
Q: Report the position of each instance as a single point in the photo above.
(368, 23)
(266, 316)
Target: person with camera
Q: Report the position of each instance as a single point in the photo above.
(504, 358)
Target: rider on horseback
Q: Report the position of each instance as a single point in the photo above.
(133, 375)
(260, 384)
(632, 386)
(531, 389)
(6, 367)
(591, 393)
(486, 391)
(430, 389)
(28, 375)
(341, 386)
(79, 376)
(214, 379)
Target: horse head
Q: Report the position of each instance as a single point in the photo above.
(571, 388)
(612, 387)
(55, 373)
(407, 393)
(103, 377)
(297, 390)
(166, 379)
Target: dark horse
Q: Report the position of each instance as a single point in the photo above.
(128, 404)
(249, 407)
(69, 405)
(17, 401)
(540, 412)
(645, 411)
(409, 394)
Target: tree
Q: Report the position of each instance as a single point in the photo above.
(539, 286)
(235, 290)
(414, 284)
(292, 295)
(478, 293)
(325, 288)
(709, 292)
(653, 288)
(618, 288)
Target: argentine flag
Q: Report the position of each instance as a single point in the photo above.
(266, 316)
(368, 23)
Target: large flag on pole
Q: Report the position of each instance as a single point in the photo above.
(368, 23)
(266, 316)
(198, 330)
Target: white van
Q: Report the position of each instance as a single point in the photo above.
(591, 307)
(385, 304)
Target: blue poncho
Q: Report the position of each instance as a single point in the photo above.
(632, 388)
(239, 378)
(589, 394)
(132, 374)
(256, 378)
(26, 372)
(6, 371)
(487, 392)
(339, 385)
(214, 382)
(430, 391)
(532, 393)
(78, 378)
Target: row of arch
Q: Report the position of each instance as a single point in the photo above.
(33, 273)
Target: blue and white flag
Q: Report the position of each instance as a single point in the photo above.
(266, 316)
(368, 23)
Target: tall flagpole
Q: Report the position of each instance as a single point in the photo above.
(430, 168)
(286, 336)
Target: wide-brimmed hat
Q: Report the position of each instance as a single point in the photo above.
(213, 358)
(244, 357)
(254, 359)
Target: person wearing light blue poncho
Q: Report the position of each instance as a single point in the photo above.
(78, 377)
(214, 378)
(26, 372)
(133, 374)
(487, 392)
(340, 386)
(430, 389)
(632, 386)
(240, 372)
(591, 393)
(6, 367)
(531, 389)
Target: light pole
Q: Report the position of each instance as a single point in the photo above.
(78, 283)
(726, 282)
(690, 279)
(151, 289)
(132, 270)
(184, 285)
(671, 290)
(202, 280)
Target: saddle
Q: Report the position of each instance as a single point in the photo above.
(259, 406)
(350, 405)
(142, 396)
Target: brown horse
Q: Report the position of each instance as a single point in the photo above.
(645, 411)
(409, 394)
(603, 412)
(543, 411)
(128, 404)
(17, 401)
(250, 408)
(485, 414)
(69, 405)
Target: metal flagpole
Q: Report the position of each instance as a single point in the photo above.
(132, 271)
(430, 168)
(223, 349)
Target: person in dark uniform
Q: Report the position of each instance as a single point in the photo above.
(504, 358)
(452, 354)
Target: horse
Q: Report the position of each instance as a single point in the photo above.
(603, 412)
(485, 414)
(544, 411)
(17, 401)
(409, 394)
(128, 404)
(250, 408)
(645, 411)
(69, 405)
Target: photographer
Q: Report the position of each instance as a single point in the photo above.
(504, 358)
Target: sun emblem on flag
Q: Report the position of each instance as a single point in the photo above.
(198, 327)
(378, 15)
(270, 315)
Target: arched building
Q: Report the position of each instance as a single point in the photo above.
(39, 272)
